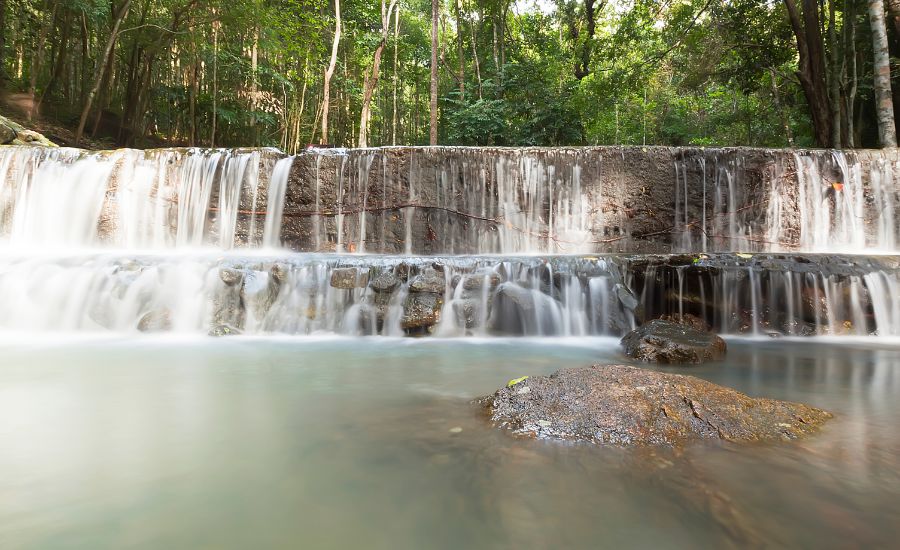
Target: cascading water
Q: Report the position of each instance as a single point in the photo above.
(128, 199)
(363, 241)
(799, 201)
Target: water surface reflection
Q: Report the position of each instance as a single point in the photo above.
(374, 443)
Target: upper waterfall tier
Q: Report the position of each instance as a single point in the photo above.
(452, 200)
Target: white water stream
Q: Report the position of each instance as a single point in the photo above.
(191, 240)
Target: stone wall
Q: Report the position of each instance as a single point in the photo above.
(454, 200)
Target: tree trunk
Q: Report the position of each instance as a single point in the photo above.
(2, 41)
(583, 63)
(854, 73)
(103, 97)
(215, 81)
(37, 57)
(811, 69)
(495, 47)
(85, 49)
(372, 80)
(102, 63)
(435, 13)
(459, 50)
(329, 72)
(396, 44)
(834, 85)
(893, 7)
(194, 92)
(60, 62)
(254, 85)
(884, 103)
(477, 64)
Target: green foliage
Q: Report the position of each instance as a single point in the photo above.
(653, 71)
(482, 122)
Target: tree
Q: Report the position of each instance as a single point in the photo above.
(435, 14)
(884, 103)
(811, 70)
(329, 72)
(287, 72)
(372, 81)
(103, 62)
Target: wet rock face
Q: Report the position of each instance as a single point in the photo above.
(385, 283)
(156, 321)
(7, 134)
(688, 320)
(349, 277)
(223, 330)
(421, 311)
(431, 280)
(631, 406)
(664, 341)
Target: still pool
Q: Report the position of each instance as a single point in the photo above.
(374, 443)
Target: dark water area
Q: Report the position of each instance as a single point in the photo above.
(374, 443)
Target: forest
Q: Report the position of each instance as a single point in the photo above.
(291, 73)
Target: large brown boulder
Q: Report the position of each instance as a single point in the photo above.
(628, 405)
(664, 341)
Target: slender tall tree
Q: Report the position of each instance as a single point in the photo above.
(396, 57)
(215, 78)
(372, 81)
(329, 72)
(2, 40)
(435, 13)
(460, 45)
(884, 103)
(102, 63)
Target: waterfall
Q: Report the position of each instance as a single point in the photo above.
(275, 202)
(128, 199)
(450, 241)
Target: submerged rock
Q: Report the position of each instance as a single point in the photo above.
(480, 280)
(518, 310)
(688, 320)
(223, 330)
(156, 321)
(467, 312)
(631, 406)
(664, 341)
(231, 276)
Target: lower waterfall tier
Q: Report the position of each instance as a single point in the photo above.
(300, 294)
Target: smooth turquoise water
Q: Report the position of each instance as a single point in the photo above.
(342, 443)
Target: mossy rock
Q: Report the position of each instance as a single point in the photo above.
(623, 405)
(12, 133)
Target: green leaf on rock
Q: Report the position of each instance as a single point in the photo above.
(515, 381)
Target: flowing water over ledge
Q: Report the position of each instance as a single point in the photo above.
(337, 442)
(196, 240)
(454, 200)
(198, 292)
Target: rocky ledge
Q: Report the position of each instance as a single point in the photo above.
(12, 133)
(631, 406)
(663, 341)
